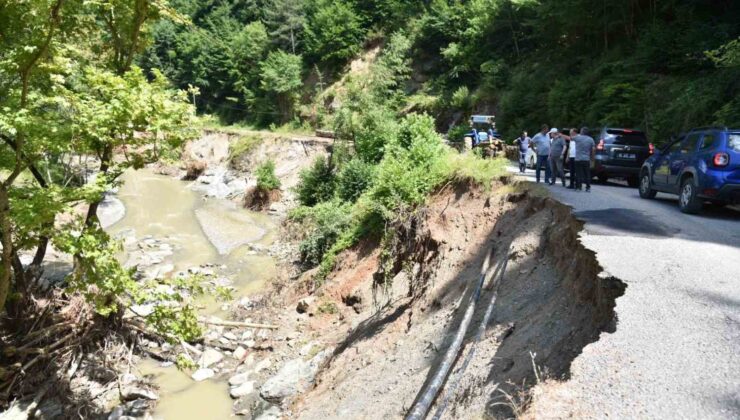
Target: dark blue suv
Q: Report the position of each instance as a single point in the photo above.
(701, 165)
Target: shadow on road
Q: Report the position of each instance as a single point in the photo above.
(615, 220)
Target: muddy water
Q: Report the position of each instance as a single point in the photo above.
(201, 231)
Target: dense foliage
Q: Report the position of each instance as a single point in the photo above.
(661, 66)
(74, 104)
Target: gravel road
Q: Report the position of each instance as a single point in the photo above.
(676, 351)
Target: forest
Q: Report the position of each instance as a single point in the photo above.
(662, 66)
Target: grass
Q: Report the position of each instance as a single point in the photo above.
(210, 122)
(243, 144)
(328, 308)
(468, 167)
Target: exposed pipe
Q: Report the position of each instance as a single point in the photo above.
(431, 390)
(450, 391)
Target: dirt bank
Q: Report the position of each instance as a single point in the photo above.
(388, 322)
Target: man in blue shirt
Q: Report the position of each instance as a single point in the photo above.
(541, 145)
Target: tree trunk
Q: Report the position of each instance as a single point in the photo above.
(6, 236)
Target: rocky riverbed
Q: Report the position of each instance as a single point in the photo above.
(170, 227)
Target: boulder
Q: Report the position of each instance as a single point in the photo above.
(210, 357)
(295, 377)
(134, 393)
(242, 390)
(239, 379)
(202, 374)
(239, 353)
(306, 305)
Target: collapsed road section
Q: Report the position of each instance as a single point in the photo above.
(399, 308)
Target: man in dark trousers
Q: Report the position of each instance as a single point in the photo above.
(584, 153)
(541, 145)
(523, 143)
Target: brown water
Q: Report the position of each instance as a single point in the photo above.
(166, 209)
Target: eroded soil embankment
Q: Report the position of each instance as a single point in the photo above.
(396, 315)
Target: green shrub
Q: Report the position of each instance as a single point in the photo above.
(316, 183)
(266, 178)
(457, 133)
(354, 178)
(324, 223)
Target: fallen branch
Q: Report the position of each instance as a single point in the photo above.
(239, 324)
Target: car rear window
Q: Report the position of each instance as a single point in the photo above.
(626, 137)
(733, 142)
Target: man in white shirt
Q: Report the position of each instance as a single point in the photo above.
(541, 145)
(572, 158)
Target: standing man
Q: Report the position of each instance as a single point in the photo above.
(584, 153)
(541, 145)
(572, 158)
(523, 143)
(557, 152)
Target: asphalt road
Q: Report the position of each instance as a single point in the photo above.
(676, 350)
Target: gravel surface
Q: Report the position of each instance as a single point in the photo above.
(676, 350)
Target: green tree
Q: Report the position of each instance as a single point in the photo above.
(73, 91)
(285, 20)
(281, 77)
(333, 32)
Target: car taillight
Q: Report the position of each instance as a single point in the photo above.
(721, 159)
(600, 146)
(651, 148)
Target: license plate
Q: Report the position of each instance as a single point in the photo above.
(626, 156)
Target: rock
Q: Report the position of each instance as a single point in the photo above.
(230, 336)
(239, 353)
(202, 374)
(245, 303)
(272, 413)
(133, 393)
(262, 365)
(116, 414)
(239, 379)
(246, 335)
(250, 343)
(242, 390)
(222, 282)
(142, 310)
(305, 350)
(210, 357)
(306, 305)
(250, 360)
(127, 378)
(294, 377)
(212, 335)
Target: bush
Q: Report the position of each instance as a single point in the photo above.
(266, 178)
(324, 222)
(354, 178)
(316, 183)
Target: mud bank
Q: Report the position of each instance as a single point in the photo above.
(393, 319)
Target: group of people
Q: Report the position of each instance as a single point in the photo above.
(551, 147)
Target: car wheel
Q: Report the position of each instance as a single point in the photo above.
(646, 190)
(688, 202)
(602, 178)
(633, 182)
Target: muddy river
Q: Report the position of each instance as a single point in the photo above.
(201, 232)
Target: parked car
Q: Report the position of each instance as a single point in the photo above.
(701, 165)
(620, 153)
